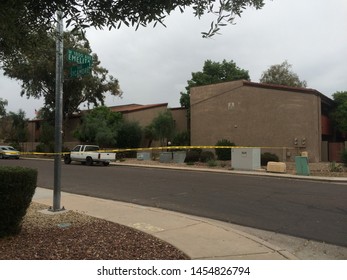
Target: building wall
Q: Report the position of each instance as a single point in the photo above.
(180, 118)
(257, 116)
(144, 117)
(326, 126)
(34, 130)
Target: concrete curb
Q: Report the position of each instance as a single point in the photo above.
(239, 172)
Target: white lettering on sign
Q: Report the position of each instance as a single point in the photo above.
(78, 57)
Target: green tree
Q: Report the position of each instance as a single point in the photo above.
(35, 68)
(20, 19)
(129, 135)
(3, 104)
(161, 128)
(18, 132)
(281, 74)
(339, 114)
(46, 138)
(149, 134)
(100, 126)
(212, 73)
(181, 139)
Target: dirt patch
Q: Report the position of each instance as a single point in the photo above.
(75, 236)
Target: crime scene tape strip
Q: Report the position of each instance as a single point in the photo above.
(158, 148)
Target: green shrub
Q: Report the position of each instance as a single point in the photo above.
(266, 157)
(335, 167)
(224, 153)
(181, 139)
(206, 156)
(45, 148)
(17, 188)
(193, 155)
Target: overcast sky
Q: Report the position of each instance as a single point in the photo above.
(154, 64)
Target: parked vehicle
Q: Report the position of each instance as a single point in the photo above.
(89, 154)
(8, 152)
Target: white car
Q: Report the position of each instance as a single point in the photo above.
(8, 152)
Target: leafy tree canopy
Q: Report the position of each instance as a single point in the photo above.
(281, 74)
(35, 68)
(20, 18)
(339, 114)
(161, 128)
(3, 104)
(100, 126)
(129, 135)
(108, 129)
(16, 128)
(212, 73)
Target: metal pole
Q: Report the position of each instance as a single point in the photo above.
(58, 113)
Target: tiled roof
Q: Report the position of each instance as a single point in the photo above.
(135, 107)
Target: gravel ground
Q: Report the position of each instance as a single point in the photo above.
(75, 236)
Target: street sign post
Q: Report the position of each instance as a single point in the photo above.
(59, 78)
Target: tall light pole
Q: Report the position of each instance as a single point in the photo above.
(59, 78)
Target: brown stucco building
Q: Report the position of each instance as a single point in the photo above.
(283, 120)
(142, 114)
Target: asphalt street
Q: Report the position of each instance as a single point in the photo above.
(306, 209)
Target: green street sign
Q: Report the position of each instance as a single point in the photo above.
(80, 70)
(79, 58)
(84, 63)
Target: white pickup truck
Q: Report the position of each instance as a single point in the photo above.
(88, 154)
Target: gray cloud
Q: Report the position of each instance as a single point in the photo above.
(154, 64)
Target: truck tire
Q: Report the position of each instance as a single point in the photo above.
(67, 159)
(89, 161)
(105, 163)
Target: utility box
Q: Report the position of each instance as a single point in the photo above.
(245, 158)
(301, 164)
(143, 156)
(165, 157)
(179, 156)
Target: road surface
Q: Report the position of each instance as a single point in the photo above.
(306, 209)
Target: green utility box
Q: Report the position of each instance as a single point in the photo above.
(301, 164)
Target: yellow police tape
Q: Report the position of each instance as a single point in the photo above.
(157, 148)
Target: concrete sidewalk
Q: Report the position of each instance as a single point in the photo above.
(199, 238)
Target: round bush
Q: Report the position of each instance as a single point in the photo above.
(17, 188)
(224, 153)
(193, 155)
(207, 156)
